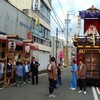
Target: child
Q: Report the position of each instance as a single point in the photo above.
(19, 74)
(26, 68)
(59, 74)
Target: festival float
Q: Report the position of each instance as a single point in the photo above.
(88, 45)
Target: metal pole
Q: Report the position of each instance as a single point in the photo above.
(67, 40)
(56, 42)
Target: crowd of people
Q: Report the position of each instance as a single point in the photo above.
(54, 77)
(78, 73)
(24, 71)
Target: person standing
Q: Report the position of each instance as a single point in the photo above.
(34, 69)
(73, 80)
(1, 70)
(81, 74)
(59, 75)
(51, 70)
(9, 70)
(26, 68)
(19, 74)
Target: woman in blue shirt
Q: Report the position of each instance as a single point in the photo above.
(73, 80)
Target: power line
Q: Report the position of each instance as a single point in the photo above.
(69, 5)
(61, 8)
(56, 22)
(58, 19)
(56, 16)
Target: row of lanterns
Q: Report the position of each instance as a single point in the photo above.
(12, 46)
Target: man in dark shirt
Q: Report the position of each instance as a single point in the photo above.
(34, 69)
(59, 74)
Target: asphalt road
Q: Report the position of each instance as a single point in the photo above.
(40, 91)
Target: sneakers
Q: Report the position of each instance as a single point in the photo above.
(29, 82)
(80, 91)
(52, 95)
(84, 92)
(73, 88)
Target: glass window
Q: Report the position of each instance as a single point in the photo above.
(33, 23)
(43, 32)
(45, 10)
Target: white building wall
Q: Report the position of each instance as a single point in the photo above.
(42, 57)
(21, 4)
(13, 21)
(53, 46)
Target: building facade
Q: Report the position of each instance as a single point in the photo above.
(57, 48)
(39, 12)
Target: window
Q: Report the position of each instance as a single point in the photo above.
(33, 23)
(45, 10)
(43, 32)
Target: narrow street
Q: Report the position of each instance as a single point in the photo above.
(40, 91)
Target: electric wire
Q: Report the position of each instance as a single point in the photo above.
(56, 16)
(62, 9)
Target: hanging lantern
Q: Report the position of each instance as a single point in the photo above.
(27, 48)
(11, 45)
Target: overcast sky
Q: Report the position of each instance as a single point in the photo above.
(74, 6)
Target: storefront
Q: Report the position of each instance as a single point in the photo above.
(3, 58)
(15, 49)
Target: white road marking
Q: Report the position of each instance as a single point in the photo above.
(95, 94)
(98, 91)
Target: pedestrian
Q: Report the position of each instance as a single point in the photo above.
(59, 75)
(34, 69)
(9, 71)
(51, 70)
(26, 68)
(19, 74)
(1, 70)
(73, 80)
(81, 75)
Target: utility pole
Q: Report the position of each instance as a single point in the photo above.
(67, 39)
(67, 31)
(56, 42)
